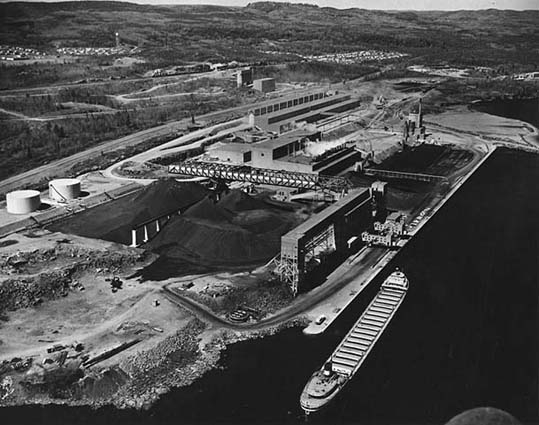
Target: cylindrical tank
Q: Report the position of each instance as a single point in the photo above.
(64, 189)
(23, 201)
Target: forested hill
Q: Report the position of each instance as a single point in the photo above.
(266, 26)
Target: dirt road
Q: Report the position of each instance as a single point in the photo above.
(301, 304)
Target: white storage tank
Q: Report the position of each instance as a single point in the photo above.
(23, 201)
(62, 190)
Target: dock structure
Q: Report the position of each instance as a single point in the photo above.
(354, 348)
(323, 234)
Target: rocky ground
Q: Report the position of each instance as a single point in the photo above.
(25, 282)
(259, 291)
(70, 337)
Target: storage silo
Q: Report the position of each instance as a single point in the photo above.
(23, 201)
(62, 190)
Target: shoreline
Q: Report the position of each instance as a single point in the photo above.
(212, 340)
(356, 287)
(476, 107)
(211, 344)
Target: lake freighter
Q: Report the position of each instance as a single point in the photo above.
(346, 360)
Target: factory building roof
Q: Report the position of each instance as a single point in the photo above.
(290, 96)
(314, 220)
(394, 216)
(282, 140)
(233, 147)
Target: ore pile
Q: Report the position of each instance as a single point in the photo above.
(114, 220)
(237, 230)
(165, 196)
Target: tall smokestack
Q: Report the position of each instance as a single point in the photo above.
(117, 39)
(420, 113)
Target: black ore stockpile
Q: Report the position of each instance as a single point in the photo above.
(165, 196)
(158, 198)
(237, 230)
(114, 220)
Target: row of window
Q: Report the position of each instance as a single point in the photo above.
(283, 105)
(305, 110)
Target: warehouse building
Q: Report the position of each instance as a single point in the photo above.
(244, 77)
(235, 153)
(286, 153)
(264, 85)
(325, 234)
(279, 114)
(272, 153)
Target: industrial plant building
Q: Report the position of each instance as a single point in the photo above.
(279, 114)
(234, 153)
(264, 85)
(244, 77)
(312, 242)
(286, 153)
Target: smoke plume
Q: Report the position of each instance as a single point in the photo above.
(318, 148)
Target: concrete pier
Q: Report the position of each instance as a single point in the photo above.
(334, 305)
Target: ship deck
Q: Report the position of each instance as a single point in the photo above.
(357, 344)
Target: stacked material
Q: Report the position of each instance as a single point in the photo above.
(114, 220)
(164, 196)
(237, 230)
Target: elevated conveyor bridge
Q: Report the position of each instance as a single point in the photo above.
(404, 175)
(242, 173)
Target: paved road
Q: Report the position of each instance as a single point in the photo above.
(17, 116)
(49, 89)
(62, 166)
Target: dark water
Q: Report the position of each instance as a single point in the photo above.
(520, 109)
(466, 335)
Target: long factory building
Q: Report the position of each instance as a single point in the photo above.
(279, 114)
(285, 153)
(325, 233)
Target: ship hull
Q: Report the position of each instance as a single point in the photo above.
(312, 404)
(342, 365)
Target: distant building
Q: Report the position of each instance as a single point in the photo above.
(284, 194)
(415, 119)
(264, 85)
(527, 76)
(276, 153)
(236, 153)
(395, 223)
(272, 153)
(387, 233)
(280, 113)
(387, 239)
(286, 153)
(244, 77)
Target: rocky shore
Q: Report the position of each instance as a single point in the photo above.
(139, 380)
(180, 360)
